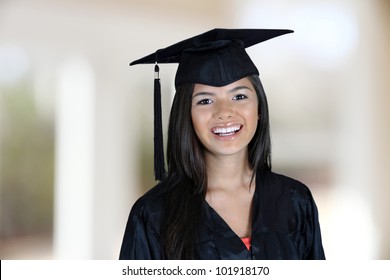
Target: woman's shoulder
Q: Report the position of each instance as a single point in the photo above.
(278, 183)
(150, 204)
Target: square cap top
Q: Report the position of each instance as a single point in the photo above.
(216, 57)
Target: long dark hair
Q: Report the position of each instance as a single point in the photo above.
(186, 181)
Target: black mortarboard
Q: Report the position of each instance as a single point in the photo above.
(214, 58)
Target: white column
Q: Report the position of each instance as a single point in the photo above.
(116, 168)
(96, 182)
(73, 201)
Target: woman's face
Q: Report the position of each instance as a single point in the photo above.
(225, 118)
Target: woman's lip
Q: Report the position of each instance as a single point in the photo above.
(228, 130)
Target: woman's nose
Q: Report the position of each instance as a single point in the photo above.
(224, 110)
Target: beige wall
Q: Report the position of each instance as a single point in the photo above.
(381, 61)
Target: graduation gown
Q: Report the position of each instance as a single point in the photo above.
(284, 225)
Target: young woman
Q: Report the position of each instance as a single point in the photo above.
(219, 198)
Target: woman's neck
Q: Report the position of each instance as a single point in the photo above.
(228, 172)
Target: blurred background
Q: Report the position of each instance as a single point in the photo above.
(76, 122)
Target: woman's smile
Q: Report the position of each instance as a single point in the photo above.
(223, 131)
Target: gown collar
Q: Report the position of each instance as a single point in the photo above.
(222, 236)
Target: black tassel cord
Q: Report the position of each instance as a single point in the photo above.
(159, 163)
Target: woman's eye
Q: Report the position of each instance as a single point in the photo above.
(205, 101)
(240, 97)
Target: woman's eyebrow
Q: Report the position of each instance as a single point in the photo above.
(206, 93)
(202, 93)
(239, 88)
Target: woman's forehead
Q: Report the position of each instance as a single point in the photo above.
(239, 84)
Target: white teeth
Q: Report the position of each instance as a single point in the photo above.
(226, 130)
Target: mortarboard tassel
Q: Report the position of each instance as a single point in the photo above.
(159, 163)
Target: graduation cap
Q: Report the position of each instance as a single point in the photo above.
(215, 58)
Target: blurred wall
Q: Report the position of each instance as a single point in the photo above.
(381, 86)
(85, 118)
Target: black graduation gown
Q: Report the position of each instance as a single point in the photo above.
(284, 226)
